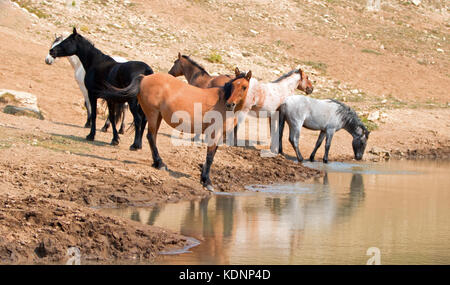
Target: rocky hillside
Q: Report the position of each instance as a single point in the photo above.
(397, 55)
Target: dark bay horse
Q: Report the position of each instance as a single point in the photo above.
(100, 69)
(195, 74)
(162, 96)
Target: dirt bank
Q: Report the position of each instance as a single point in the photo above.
(51, 178)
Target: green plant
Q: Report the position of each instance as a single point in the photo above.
(214, 57)
(371, 51)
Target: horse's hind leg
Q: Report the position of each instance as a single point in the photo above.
(106, 125)
(112, 119)
(88, 112)
(138, 117)
(153, 126)
(294, 135)
(330, 134)
(123, 111)
(142, 128)
(318, 143)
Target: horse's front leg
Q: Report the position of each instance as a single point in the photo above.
(210, 153)
(329, 137)
(318, 143)
(93, 100)
(112, 119)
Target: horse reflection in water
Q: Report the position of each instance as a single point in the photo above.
(232, 225)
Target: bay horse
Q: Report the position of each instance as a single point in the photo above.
(328, 116)
(79, 74)
(195, 74)
(162, 96)
(268, 96)
(100, 69)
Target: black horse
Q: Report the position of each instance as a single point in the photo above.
(101, 68)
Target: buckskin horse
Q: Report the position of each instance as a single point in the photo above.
(162, 96)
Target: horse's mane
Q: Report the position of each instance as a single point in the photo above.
(284, 76)
(349, 117)
(95, 50)
(202, 69)
(228, 87)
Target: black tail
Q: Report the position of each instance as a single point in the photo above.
(122, 94)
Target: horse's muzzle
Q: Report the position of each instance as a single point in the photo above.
(52, 53)
(230, 106)
(49, 59)
(309, 90)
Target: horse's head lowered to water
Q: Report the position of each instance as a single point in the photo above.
(236, 90)
(359, 143)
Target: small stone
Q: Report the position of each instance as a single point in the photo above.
(374, 116)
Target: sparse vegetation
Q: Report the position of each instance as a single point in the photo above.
(30, 7)
(214, 57)
(371, 51)
(371, 126)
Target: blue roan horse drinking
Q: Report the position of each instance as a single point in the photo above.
(328, 116)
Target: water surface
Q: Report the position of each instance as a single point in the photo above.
(400, 207)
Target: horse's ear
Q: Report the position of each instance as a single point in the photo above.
(179, 55)
(248, 75)
(74, 31)
(237, 71)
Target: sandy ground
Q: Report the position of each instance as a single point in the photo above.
(52, 180)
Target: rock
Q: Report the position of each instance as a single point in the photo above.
(20, 103)
(374, 116)
(20, 111)
(380, 152)
(416, 2)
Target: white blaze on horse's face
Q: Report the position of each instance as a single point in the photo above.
(50, 59)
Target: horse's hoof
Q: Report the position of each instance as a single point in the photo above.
(159, 165)
(311, 159)
(87, 125)
(325, 161)
(115, 142)
(121, 131)
(104, 129)
(90, 137)
(134, 147)
(210, 188)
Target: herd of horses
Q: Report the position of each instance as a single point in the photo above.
(155, 97)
